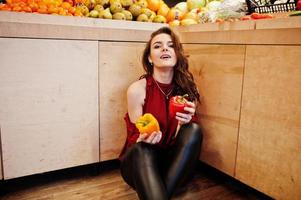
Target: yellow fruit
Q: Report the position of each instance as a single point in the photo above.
(142, 18)
(105, 14)
(190, 15)
(98, 7)
(142, 3)
(114, 1)
(174, 23)
(119, 16)
(135, 9)
(191, 4)
(128, 15)
(116, 7)
(163, 10)
(126, 3)
(186, 22)
(103, 2)
(94, 13)
(84, 9)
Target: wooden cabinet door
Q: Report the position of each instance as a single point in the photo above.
(269, 145)
(119, 65)
(1, 172)
(218, 72)
(48, 105)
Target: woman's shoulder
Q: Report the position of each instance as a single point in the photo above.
(137, 88)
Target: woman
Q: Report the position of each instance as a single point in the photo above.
(155, 165)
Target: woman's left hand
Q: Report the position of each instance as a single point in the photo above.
(185, 118)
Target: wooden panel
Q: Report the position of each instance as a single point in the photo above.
(270, 135)
(218, 72)
(119, 66)
(48, 105)
(1, 164)
(262, 36)
(50, 26)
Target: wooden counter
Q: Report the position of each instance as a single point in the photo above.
(250, 77)
(70, 73)
(65, 74)
(26, 25)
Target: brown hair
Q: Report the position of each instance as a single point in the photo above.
(182, 77)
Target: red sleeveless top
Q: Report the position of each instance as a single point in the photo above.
(155, 103)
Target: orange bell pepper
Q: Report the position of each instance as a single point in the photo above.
(147, 124)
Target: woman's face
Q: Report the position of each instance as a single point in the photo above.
(162, 53)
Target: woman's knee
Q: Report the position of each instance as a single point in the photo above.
(142, 153)
(191, 133)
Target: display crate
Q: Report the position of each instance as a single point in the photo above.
(270, 6)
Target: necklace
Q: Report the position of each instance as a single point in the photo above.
(166, 95)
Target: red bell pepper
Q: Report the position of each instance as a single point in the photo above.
(177, 104)
(299, 5)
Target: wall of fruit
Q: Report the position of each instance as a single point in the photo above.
(158, 11)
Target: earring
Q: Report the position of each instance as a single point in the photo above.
(151, 63)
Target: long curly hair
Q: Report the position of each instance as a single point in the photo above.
(183, 79)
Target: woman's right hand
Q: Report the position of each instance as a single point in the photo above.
(153, 138)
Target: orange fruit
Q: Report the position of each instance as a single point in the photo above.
(153, 4)
(78, 13)
(66, 5)
(174, 14)
(53, 9)
(62, 12)
(17, 9)
(34, 7)
(72, 10)
(42, 10)
(27, 9)
(70, 2)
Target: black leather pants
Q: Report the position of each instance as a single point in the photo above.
(155, 173)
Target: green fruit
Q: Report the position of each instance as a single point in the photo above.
(296, 13)
(159, 19)
(151, 18)
(94, 13)
(116, 7)
(135, 9)
(146, 11)
(119, 16)
(142, 18)
(128, 15)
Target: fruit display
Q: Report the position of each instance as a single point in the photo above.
(138, 10)
(184, 13)
(156, 11)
